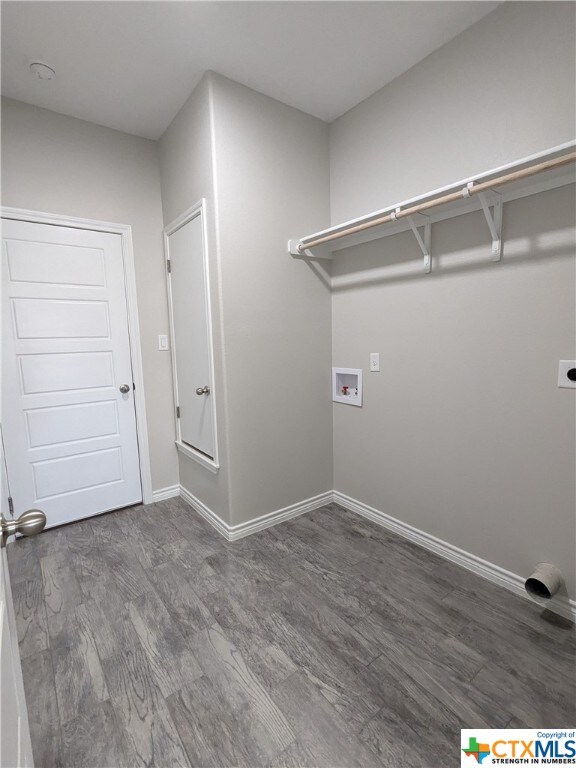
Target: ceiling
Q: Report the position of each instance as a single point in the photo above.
(132, 65)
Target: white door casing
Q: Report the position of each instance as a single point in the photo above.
(191, 334)
(71, 438)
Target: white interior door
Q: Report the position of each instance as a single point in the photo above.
(191, 335)
(70, 432)
(15, 746)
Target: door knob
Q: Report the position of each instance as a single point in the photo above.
(203, 390)
(125, 388)
(29, 523)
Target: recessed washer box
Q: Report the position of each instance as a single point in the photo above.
(347, 386)
(567, 374)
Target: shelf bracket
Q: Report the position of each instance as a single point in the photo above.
(423, 243)
(294, 249)
(494, 220)
(319, 253)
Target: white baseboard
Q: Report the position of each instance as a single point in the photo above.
(279, 516)
(234, 532)
(494, 573)
(165, 493)
(205, 511)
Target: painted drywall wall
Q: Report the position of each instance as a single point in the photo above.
(58, 164)
(263, 168)
(187, 175)
(500, 91)
(272, 182)
(464, 433)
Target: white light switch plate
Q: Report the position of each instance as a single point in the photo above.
(163, 342)
(563, 367)
(374, 361)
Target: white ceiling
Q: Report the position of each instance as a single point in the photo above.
(131, 65)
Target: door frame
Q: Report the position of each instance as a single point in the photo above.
(125, 232)
(198, 209)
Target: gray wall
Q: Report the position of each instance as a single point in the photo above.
(272, 184)
(263, 168)
(501, 90)
(58, 164)
(187, 174)
(464, 433)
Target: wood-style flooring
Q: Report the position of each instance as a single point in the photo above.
(148, 640)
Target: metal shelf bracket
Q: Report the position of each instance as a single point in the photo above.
(424, 244)
(494, 220)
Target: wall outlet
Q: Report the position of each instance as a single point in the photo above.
(567, 374)
(163, 345)
(374, 361)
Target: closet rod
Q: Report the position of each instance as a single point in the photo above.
(467, 191)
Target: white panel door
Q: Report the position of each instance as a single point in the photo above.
(70, 433)
(191, 335)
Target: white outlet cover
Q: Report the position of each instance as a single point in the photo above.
(374, 362)
(563, 367)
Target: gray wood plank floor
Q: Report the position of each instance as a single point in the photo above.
(148, 640)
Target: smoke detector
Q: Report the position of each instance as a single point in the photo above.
(42, 71)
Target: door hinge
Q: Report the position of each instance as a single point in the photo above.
(11, 505)
(177, 411)
(168, 265)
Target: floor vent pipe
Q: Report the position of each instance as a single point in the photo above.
(544, 582)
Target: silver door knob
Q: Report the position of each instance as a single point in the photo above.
(203, 390)
(29, 523)
(125, 388)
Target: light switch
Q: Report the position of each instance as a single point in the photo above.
(163, 342)
(374, 361)
(567, 374)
